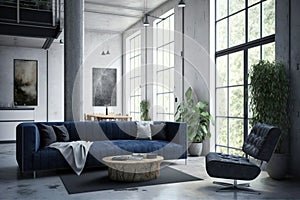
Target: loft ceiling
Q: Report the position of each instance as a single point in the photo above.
(114, 16)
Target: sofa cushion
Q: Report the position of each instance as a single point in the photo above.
(158, 131)
(62, 133)
(143, 130)
(47, 135)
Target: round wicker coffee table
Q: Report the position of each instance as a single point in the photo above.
(133, 170)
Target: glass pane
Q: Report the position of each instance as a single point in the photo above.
(254, 23)
(237, 29)
(221, 98)
(236, 152)
(221, 130)
(236, 68)
(160, 117)
(269, 52)
(160, 102)
(221, 7)
(251, 2)
(160, 81)
(160, 61)
(221, 35)
(131, 104)
(172, 55)
(250, 114)
(172, 97)
(166, 56)
(136, 104)
(139, 44)
(222, 150)
(253, 58)
(167, 103)
(236, 133)
(136, 46)
(131, 48)
(167, 80)
(236, 102)
(268, 17)
(172, 26)
(171, 79)
(236, 5)
(159, 34)
(166, 26)
(221, 71)
(137, 86)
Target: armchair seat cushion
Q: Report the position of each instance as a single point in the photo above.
(230, 167)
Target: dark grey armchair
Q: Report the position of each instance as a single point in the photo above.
(259, 144)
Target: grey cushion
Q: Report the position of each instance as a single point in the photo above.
(158, 131)
(47, 135)
(61, 133)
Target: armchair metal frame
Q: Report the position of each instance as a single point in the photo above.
(259, 144)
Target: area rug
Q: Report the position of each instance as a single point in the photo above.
(97, 180)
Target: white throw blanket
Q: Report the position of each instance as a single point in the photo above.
(74, 152)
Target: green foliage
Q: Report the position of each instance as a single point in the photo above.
(269, 92)
(144, 105)
(196, 115)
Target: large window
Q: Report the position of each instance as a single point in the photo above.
(164, 67)
(245, 34)
(133, 71)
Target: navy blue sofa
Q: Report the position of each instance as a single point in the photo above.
(109, 138)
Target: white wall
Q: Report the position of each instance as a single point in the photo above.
(7, 56)
(95, 43)
(56, 82)
(50, 106)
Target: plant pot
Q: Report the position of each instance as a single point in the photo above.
(195, 148)
(277, 166)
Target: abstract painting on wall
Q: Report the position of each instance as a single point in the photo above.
(25, 82)
(104, 87)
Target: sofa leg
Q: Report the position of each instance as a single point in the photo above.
(185, 161)
(34, 174)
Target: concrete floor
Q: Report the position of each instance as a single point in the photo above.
(48, 185)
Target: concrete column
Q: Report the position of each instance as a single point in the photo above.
(287, 52)
(73, 43)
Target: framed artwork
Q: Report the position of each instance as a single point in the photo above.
(104, 87)
(25, 82)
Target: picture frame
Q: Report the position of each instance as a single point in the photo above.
(25, 82)
(104, 86)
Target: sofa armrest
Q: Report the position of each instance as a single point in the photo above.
(177, 133)
(27, 142)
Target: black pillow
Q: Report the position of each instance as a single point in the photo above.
(158, 131)
(62, 133)
(47, 135)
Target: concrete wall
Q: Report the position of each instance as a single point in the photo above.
(95, 43)
(288, 52)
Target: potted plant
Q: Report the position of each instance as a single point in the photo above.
(269, 92)
(144, 105)
(197, 117)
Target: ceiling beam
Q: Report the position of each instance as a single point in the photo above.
(105, 31)
(115, 6)
(110, 13)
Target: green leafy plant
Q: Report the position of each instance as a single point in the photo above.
(196, 115)
(144, 105)
(269, 92)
